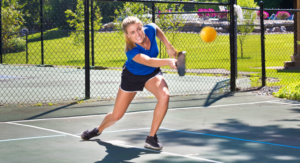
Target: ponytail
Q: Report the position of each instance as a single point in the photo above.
(129, 45)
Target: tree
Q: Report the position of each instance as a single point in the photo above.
(107, 10)
(247, 25)
(77, 22)
(53, 13)
(32, 8)
(12, 22)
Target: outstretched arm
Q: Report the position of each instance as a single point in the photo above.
(170, 49)
(154, 62)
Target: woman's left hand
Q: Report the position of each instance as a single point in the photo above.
(172, 52)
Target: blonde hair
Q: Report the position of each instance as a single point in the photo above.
(129, 45)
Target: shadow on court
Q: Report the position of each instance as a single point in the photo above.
(118, 154)
(123, 154)
(50, 111)
(220, 90)
(237, 143)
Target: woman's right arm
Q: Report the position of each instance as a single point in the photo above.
(154, 62)
(170, 49)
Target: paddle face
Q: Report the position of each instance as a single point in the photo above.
(181, 63)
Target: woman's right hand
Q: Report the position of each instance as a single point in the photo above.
(172, 63)
(172, 52)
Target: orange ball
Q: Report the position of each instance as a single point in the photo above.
(208, 34)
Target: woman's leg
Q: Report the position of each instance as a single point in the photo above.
(158, 87)
(122, 102)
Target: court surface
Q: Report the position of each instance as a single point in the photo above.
(237, 127)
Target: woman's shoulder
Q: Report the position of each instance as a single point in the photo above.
(150, 30)
(150, 26)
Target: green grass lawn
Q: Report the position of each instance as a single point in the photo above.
(109, 52)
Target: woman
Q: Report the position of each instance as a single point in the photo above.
(142, 69)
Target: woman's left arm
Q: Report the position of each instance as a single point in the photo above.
(170, 49)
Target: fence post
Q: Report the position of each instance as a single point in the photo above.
(295, 27)
(87, 49)
(26, 47)
(263, 60)
(153, 12)
(235, 45)
(42, 33)
(93, 37)
(1, 61)
(233, 54)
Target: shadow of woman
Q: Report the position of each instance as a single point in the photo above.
(120, 154)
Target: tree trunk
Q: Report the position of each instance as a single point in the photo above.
(241, 42)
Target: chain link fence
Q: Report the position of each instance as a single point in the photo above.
(282, 50)
(45, 68)
(181, 24)
(279, 50)
(48, 62)
(249, 54)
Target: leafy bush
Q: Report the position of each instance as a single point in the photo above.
(165, 11)
(16, 44)
(265, 14)
(282, 15)
(291, 91)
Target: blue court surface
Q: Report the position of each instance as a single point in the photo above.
(239, 127)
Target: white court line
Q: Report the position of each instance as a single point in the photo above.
(6, 140)
(64, 133)
(170, 109)
(28, 138)
(215, 106)
(122, 145)
(284, 103)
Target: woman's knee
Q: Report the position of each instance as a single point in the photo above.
(164, 96)
(116, 116)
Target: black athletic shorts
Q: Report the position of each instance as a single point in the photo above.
(135, 83)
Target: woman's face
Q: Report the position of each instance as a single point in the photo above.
(135, 33)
